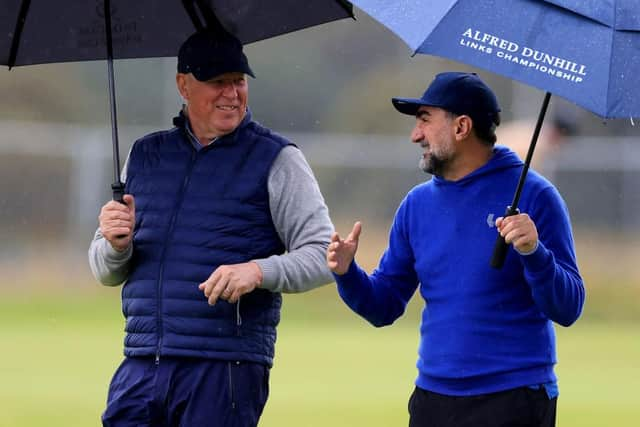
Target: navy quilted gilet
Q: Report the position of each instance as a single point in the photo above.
(196, 210)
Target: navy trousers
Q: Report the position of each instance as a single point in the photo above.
(521, 407)
(187, 393)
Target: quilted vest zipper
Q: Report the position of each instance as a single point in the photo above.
(172, 223)
(238, 318)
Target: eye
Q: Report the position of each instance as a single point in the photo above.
(215, 82)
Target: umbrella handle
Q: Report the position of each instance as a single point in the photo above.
(118, 195)
(501, 247)
(118, 191)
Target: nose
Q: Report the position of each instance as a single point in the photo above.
(229, 90)
(417, 136)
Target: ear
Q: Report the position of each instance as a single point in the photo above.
(462, 127)
(181, 83)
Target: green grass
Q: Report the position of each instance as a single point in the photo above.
(59, 351)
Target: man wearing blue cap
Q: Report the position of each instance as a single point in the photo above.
(487, 346)
(221, 215)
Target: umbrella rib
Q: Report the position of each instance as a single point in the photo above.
(211, 21)
(189, 7)
(421, 43)
(17, 34)
(210, 18)
(348, 7)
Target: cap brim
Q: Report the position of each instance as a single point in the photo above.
(408, 106)
(207, 73)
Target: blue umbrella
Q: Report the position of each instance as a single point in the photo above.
(586, 51)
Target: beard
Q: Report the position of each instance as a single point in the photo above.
(433, 165)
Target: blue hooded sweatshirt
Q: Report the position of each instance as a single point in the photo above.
(483, 330)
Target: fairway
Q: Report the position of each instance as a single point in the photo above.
(331, 368)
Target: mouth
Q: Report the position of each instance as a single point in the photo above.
(227, 108)
(427, 150)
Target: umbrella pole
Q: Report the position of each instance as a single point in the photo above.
(500, 248)
(117, 187)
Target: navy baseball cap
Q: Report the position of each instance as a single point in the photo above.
(206, 54)
(458, 93)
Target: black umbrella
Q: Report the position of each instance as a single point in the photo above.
(83, 30)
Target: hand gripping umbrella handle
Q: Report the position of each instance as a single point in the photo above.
(118, 195)
(501, 247)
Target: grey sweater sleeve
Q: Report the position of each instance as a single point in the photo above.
(109, 266)
(301, 218)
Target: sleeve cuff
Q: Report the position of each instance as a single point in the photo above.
(529, 252)
(116, 256)
(538, 260)
(349, 275)
(269, 273)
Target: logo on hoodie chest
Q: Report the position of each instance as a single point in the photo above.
(491, 221)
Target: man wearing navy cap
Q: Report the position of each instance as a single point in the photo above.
(487, 346)
(221, 215)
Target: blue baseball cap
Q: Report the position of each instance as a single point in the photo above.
(458, 93)
(207, 54)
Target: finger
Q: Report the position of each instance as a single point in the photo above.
(332, 261)
(117, 233)
(355, 232)
(507, 220)
(335, 237)
(115, 216)
(208, 285)
(235, 296)
(227, 292)
(218, 289)
(503, 230)
(513, 236)
(114, 206)
(110, 227)
(507, 225)
(523, 241)
(130, 202)
(335, 246)
(117, 222)
(519, 219)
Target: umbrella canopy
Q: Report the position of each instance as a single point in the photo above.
(83, 30)
(38, 32)
(586, 51)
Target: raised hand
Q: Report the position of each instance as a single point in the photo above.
(341, 253)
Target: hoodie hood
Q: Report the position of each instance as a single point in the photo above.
(503, 158)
